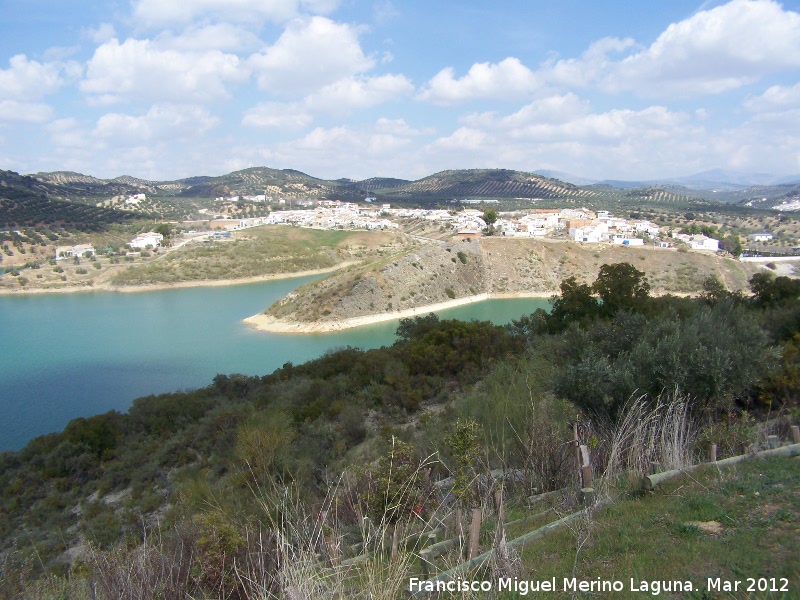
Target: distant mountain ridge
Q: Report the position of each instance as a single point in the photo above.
(445, 186)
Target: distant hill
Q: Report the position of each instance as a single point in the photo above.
(30, 202)
(567, 177)
(260, 180)
(453, 185)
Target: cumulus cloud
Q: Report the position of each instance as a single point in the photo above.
(277, 115)
(102, 33)
(161, 122)
(220, 36)
(710, 52)
(399, 127)
(26, 79)
(507, 79)
(310, 54)
(340, 97)
(351, 93)
(163, 12)
(590, 67)
(141, 70)
(11, 110)
(563, 132)
(775, 98)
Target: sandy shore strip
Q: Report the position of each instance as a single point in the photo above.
(270, 324)
(107, 287)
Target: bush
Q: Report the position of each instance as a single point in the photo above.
(462, 257)
(450, 293)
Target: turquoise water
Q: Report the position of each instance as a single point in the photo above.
(64, 356)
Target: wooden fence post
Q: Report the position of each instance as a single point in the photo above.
(333, 554)
(576, 441)
(713, 453)
(500, 511)
(395, 541)
(796, 434)
(428, 568)
(586, 467)
(474, 533)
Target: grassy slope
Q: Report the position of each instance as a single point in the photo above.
(649, 537)
(255, 252)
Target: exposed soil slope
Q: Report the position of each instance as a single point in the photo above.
(453, 272)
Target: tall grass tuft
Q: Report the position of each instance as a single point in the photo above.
(309, 549)
(659, 430)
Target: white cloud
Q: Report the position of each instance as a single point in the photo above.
(26, 79)
(161, 122)
(776, 98)
(550, 110)
(713, 51)
(161, 12)
(310, 54)
(140, 70)
(592, 65)
(562, 132)
(11, 110)
(276, 115)
(221, 36)
(340, 97)
(67, 133)
(399, 127)
(102, 33)
(508, 79)
(350, 93)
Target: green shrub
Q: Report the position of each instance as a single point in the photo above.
(450, 293)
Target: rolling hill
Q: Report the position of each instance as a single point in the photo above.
(29, 202)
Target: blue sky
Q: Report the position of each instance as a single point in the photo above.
(164, 89)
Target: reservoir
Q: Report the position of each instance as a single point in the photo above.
(64, 356)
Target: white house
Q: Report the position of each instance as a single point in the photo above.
(143, 240)
(135, 199)
(760, 237)
(589, 234)
(647, 227)
(699, 242)
(81, 250)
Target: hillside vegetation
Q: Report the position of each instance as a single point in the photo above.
(26, 202)
(258, 487)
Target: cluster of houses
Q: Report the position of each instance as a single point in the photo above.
(327, 215)
(581, 225)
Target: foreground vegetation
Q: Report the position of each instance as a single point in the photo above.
(258, 487)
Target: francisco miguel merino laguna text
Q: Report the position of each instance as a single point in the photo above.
(570, 584)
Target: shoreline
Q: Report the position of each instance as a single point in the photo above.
(268, 323)
(132, 289)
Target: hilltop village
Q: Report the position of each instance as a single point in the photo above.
(580, 225)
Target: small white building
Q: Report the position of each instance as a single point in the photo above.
(135, 199)
(143, 240)
(80, 250)
(590, 234)
(622, 240)
(760, 237)
(699, 242)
